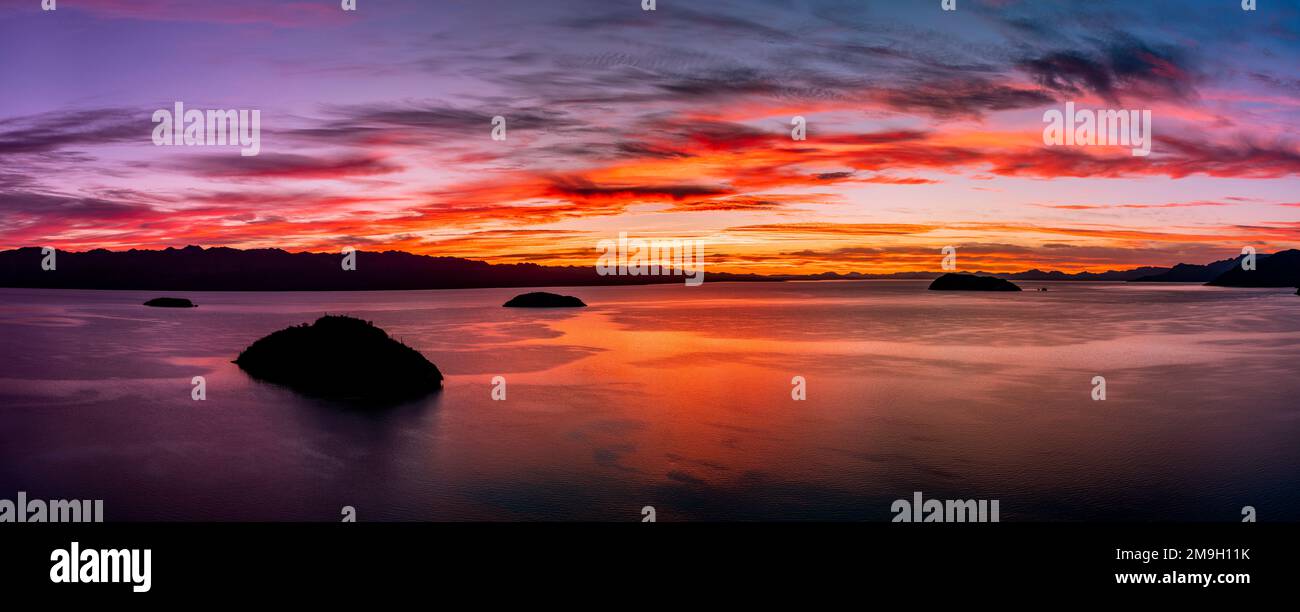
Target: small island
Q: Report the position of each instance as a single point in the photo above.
(971, 282)
(542, 299)
(168, 302)
(342, 358)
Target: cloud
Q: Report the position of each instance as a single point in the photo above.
(1137, 206)
(284, 166)
(681, 17)
(970, 97)
(55, 130)
(1125, 68)
(617, 116)
(583, 189)
(289, 14)
(834, 229)
(428, 122)
(68, 208)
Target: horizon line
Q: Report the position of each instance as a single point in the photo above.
(714, 270)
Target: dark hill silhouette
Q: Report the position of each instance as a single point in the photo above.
(1191, 273)
(225, 269)
(970, 282)
(1056, 275)
(1281, 269)
(341, 358)
(542, 299)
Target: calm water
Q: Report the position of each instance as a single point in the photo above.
(673, 397)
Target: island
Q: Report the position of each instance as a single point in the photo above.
(542, 299)
(168, 302)
(344, 358)
(971, 282)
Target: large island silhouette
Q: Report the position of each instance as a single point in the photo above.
(342, 358)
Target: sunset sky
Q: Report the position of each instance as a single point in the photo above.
(924, 129)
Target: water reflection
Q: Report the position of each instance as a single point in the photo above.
(674, 397)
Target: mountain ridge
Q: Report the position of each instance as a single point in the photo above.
(1281, 269)
(195, 268)
(1192, 273)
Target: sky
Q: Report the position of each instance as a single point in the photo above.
(924, 129)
